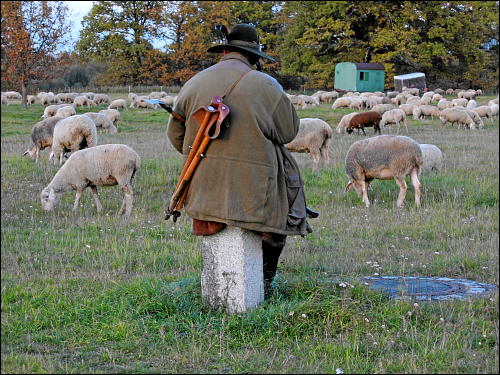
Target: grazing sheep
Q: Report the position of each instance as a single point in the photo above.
(432, 158)
(157, 95)
(449, 92)
(80, 101)
(136, 103)
(429, 110)
(469, 94)
(30, 99)
(484, 111)
(417, 113)
(344, 122)
(72, 134)
(415, 100)
(42, 134)
(372, 101)
(473, 115)
(460, 117)
(439, 91)
(4, 100)
(462, 102)
(384, 157)
(51, 110)
(381, 108)
(314, 136)
(66, 111)
(436, 98)
(363, 120)
(112, 114)
(117, 104)
(13, 95)
(407, 109)
(394, 116)
(102, 98)
(493, 101)
(327, 97)
(104, 165)
(102, 122)
(342, 102)
(356, 103)
(443, 104)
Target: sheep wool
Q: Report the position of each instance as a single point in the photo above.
(104, 165)
(432, 158)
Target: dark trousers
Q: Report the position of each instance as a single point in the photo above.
(272, 246)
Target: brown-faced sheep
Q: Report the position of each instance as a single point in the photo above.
(364, 120)
(314, 136)
(384, 157)
(42, 134)
(104, 165)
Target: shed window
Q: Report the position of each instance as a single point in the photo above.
(363, 76)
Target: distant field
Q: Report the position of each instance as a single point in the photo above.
(89, 293)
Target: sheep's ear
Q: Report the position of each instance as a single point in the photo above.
(26, 153)
(52, 194)
(348, 187)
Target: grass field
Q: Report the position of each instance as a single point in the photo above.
(89, 293)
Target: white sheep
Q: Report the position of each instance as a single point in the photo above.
(493, 101)
(104, 165)
(66, 111)
(417, 112)
(51, 110)
(432, 158)
(384, 157)
(30, 99)
(5, 100)
(407, 108)
(344, 122)
(444, 103)
(460, 117)
(394, 116)
(13, 95)
(471, 104)
(112, 114)
(462, 102)
(314, 136)
(139, 103)
(102, 122)
(484, 111)
(80, 101)
(436, 98)
(117, 104)
(42, 135)
(102, 98)
(429, 110)
(381, 108)
(342, 102)
(473, 115)
(72, 134)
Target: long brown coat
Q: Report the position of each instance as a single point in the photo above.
(241, 180)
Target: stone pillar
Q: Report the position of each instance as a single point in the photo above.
(232, 278)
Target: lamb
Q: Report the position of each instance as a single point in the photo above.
(112, 114)
(66, 111)
(104, 165)
(432, 158)
(344, 122)
(118, 103)
(364, 119)
(102, 122)
(72, 134)
(453, 115)
(484, 111)
(394, 116)
(384, 157)
(429, 110)
(314, 136)
(41, 136)
(102, 98)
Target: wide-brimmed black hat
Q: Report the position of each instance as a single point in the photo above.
(244, 37)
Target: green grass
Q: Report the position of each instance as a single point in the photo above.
(90, 293)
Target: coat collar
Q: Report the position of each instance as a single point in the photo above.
(236, 56)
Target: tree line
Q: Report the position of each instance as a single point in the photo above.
(446, 40)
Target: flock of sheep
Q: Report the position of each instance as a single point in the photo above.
(380, 157)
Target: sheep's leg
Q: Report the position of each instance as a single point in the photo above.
(36, 155)
(363, 130)
(324, 151)
(96, 198)
(77, 199)
(364, 193)
(402, 191)
(417, 185)
(61, 158)
(126, 207)
(315, 158)
(406, 125)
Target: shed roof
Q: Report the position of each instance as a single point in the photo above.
(369, 66)
(410, 76)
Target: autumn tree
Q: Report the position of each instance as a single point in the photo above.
(32, 32)
(120, 34)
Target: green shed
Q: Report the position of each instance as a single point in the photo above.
(361, 77)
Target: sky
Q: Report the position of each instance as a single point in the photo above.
(77, 9)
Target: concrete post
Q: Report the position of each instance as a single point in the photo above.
(232, 276)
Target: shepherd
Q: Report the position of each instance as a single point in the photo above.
(246, 177)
